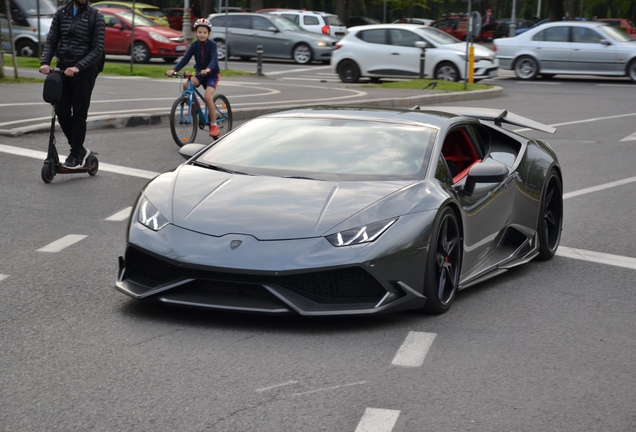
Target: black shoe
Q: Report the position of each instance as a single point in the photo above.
(85, 153)
(73, 163)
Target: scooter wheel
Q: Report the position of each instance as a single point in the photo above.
(93, 165)
(48, 172)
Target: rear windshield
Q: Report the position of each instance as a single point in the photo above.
(333, 20)
(325, 149)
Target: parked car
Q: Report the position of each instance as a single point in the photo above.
(153, 13)
(538, 23)
(420, 21)
(622, 23)
(331, 211)
(175, 17)
(389, 51)
(315, 22)
(502, 27)
(25, 25)
(279, 37)
(151, 40)
(353, 21)
(457, 26)
(569, 47)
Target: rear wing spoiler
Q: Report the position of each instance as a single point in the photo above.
(497, 116)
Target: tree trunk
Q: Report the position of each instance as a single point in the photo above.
(256, 5)
(556, 10)
(1, 55)
(569, 9)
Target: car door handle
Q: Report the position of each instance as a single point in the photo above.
(395, 53)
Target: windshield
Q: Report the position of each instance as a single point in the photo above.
(438, 36)
(139, 20)
(152, 12)
(617, 34)
(284, 24)
(30, 7)
(325, 149)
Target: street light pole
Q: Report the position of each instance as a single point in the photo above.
(186, 28)
(513, 21)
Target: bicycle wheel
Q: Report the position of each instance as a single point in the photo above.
(184, 131)
(223, 113)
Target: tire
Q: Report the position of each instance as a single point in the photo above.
(93, 165)
(183, 132)
(349, 71)
(141, 53)
(48, 172)
(526, 68)
(302, 54)
(26, 48)
(221, 49)
(443, 263)
(170, 59)
(550, 221)
(447, 71)
(223, 107)
(631, 70)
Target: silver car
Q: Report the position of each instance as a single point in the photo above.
(569, 47)
(279, 37)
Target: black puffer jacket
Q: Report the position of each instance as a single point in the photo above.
(70, 40)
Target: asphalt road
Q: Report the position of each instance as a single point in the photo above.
(546, 346)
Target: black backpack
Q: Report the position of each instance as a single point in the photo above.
(92, 14)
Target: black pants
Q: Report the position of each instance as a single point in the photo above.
(72, 109)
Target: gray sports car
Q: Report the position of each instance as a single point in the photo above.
(329, 211)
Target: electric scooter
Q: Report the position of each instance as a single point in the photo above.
(52, 166)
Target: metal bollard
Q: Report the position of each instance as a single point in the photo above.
(259, 60)
(422, 45)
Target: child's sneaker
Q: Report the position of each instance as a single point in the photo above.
(214, 131)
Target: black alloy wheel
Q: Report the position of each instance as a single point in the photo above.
(443, 263)
(348, 71)
(550, 217)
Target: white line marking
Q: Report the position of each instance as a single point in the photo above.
(597, 257)
(298, 70)
(583, 121)
(599, 187)
(276, 386)
(414, 349)
(63, 243)
(120, 216)
(537, 83)
(330, 388)
(3, 277)
(616, 85)
(632, 137)
(378, 420)
(35, 154)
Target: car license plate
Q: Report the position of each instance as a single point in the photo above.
(180, 48)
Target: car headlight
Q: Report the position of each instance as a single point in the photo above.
(480, 58)
(159, 38)
(359, 235)
(322, 43)
(149, 216)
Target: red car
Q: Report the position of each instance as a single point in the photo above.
(175, 17)
(457, 25)
(151, 40)
(623, 23)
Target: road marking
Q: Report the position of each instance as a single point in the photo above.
(35, 154)
(599, 187)
(632, 137)
(538, 83)
(63, 243)
(616, 85)
(120, 216)
(276, 386)
(597, 257)
(3, 277)
(414, 349)
(298, 70)
(378, 420)
(583, 121)
(330, 388)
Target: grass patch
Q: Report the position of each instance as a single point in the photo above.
(123, 69)
(11, 80)
(419, 84)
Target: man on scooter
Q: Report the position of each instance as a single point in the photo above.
(78, 48)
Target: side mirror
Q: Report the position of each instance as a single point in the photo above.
(604, 42)
(189, 150)
(485, 173)
(272, 29)
(118, 26)
(422, 44)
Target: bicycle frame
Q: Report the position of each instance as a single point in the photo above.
(191, 93)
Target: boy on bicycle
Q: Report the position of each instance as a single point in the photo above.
(207, 66)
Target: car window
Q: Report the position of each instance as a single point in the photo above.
(403, 38)
(444, 23)
(260, 23)
(292, 18)
(284, 24)
(317, 147)
(585, 35)
(437, 35)
(111, 20)
(139, 20)
(616, 34)
(443, 173)
(310, 20)
(553, 34)
(152, 12)
(218, 21)
(240, 21)
(333, 20)
(377, 36)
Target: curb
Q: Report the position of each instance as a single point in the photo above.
(142, 119)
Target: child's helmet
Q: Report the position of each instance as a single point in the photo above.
(202, 22)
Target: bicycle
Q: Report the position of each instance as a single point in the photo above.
(187, 113)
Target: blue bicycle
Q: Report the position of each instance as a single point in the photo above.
(190, 111)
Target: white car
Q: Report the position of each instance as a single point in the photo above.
(421, 21)
(569, 47)
(315, 22)
(389, 51)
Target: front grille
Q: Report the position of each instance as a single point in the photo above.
(351, 284)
